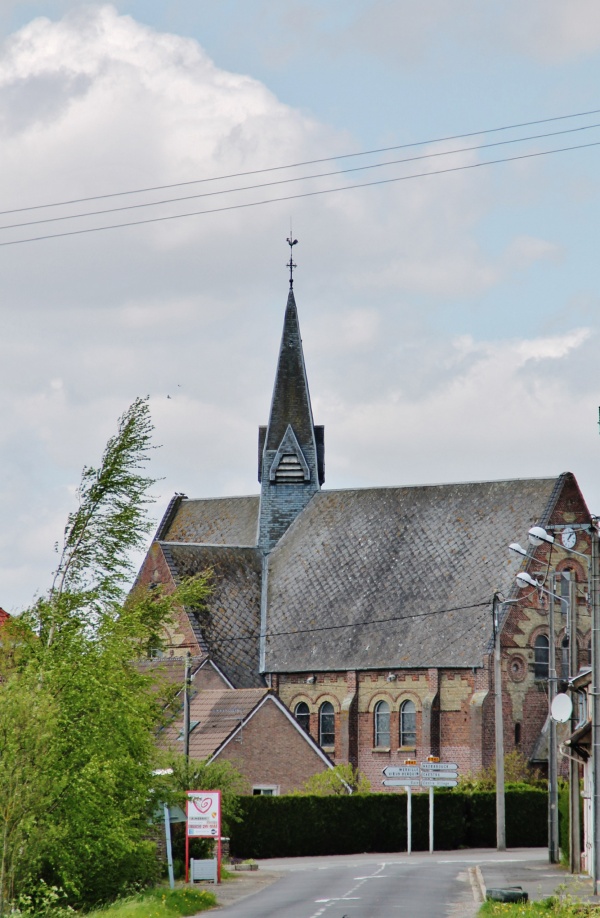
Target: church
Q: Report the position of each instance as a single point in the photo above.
(368, 611)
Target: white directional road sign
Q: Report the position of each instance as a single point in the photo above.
(401, 771)
(402, 782)
(438, 766)
(437, 782)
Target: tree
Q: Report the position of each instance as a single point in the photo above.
(517, 770)
(339, 780)
(77, 715)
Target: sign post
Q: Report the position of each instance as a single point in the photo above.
(203, 821)
(407, 776)
(429, 774)
(437, 774)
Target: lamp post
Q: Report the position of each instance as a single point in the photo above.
(595, 595)
(526, 580)
(499, 732)
(537, 536)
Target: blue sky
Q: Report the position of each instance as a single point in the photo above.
(451, 319)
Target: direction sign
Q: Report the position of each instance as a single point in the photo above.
(402, 782)
(438, 766)
(401, 771)
(437, 782)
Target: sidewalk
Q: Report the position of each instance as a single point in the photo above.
(240, 886)
(535, 874)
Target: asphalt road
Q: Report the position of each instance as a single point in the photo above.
(369, 886)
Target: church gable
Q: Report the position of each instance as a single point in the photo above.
(289, 465)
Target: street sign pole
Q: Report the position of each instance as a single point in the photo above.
(431, 820)
(409, 819)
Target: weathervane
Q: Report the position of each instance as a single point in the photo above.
(291, 242)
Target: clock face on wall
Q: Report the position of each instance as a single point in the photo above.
(568, 537)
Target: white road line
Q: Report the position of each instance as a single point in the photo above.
(348, 895)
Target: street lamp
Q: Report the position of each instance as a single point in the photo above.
(499, 725)
(525, 580)
(537, 532)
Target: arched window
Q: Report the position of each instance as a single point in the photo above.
(326, 724)
(408, 724)
(382, 724)
(541, 651)
(302, 714)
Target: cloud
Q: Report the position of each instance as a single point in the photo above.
(189, 311)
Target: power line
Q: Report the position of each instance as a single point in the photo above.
(364, 623)
(308, 162)
(306, 194)
(301, 178)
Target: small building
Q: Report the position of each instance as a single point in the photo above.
(579, 746)
(255, 732)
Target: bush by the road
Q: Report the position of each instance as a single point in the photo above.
(296, 826)
(160, 903)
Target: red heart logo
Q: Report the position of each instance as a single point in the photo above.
(204, 805)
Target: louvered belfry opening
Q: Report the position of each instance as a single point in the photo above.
(289, 470)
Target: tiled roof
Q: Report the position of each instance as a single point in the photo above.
(4, 616)
(229, 628)
(170, 670)
(413, 558)
(218, 521)
(217, 712)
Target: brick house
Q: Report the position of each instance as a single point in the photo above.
(252, 729)
(368, 612)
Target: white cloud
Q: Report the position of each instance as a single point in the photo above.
(191, 309)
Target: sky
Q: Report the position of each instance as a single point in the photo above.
(449, 306)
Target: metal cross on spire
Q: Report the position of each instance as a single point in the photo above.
(291, 242)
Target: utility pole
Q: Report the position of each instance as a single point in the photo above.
(553, 854)
(595, 707)
(574, 796)
(186, 705)
(499, 730)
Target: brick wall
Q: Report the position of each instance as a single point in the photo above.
(270, 750)
(178, 634)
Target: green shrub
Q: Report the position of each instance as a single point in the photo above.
(297, 826)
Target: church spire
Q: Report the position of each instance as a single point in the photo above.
(291, 466)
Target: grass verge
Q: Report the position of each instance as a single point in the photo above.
(159, 903)
(545, 908)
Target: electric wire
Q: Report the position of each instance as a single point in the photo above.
(308, 162)
(364, 623)
(293, 197)
(300, 178)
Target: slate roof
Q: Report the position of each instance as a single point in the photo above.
(218, 521)
(414, 558)
(291, 399)
(218, 713)
(170, 670)
(229, 628)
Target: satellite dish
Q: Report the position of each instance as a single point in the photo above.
(562, 708)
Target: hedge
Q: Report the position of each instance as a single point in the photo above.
(297, 826)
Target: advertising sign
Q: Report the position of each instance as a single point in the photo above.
(204, 814)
